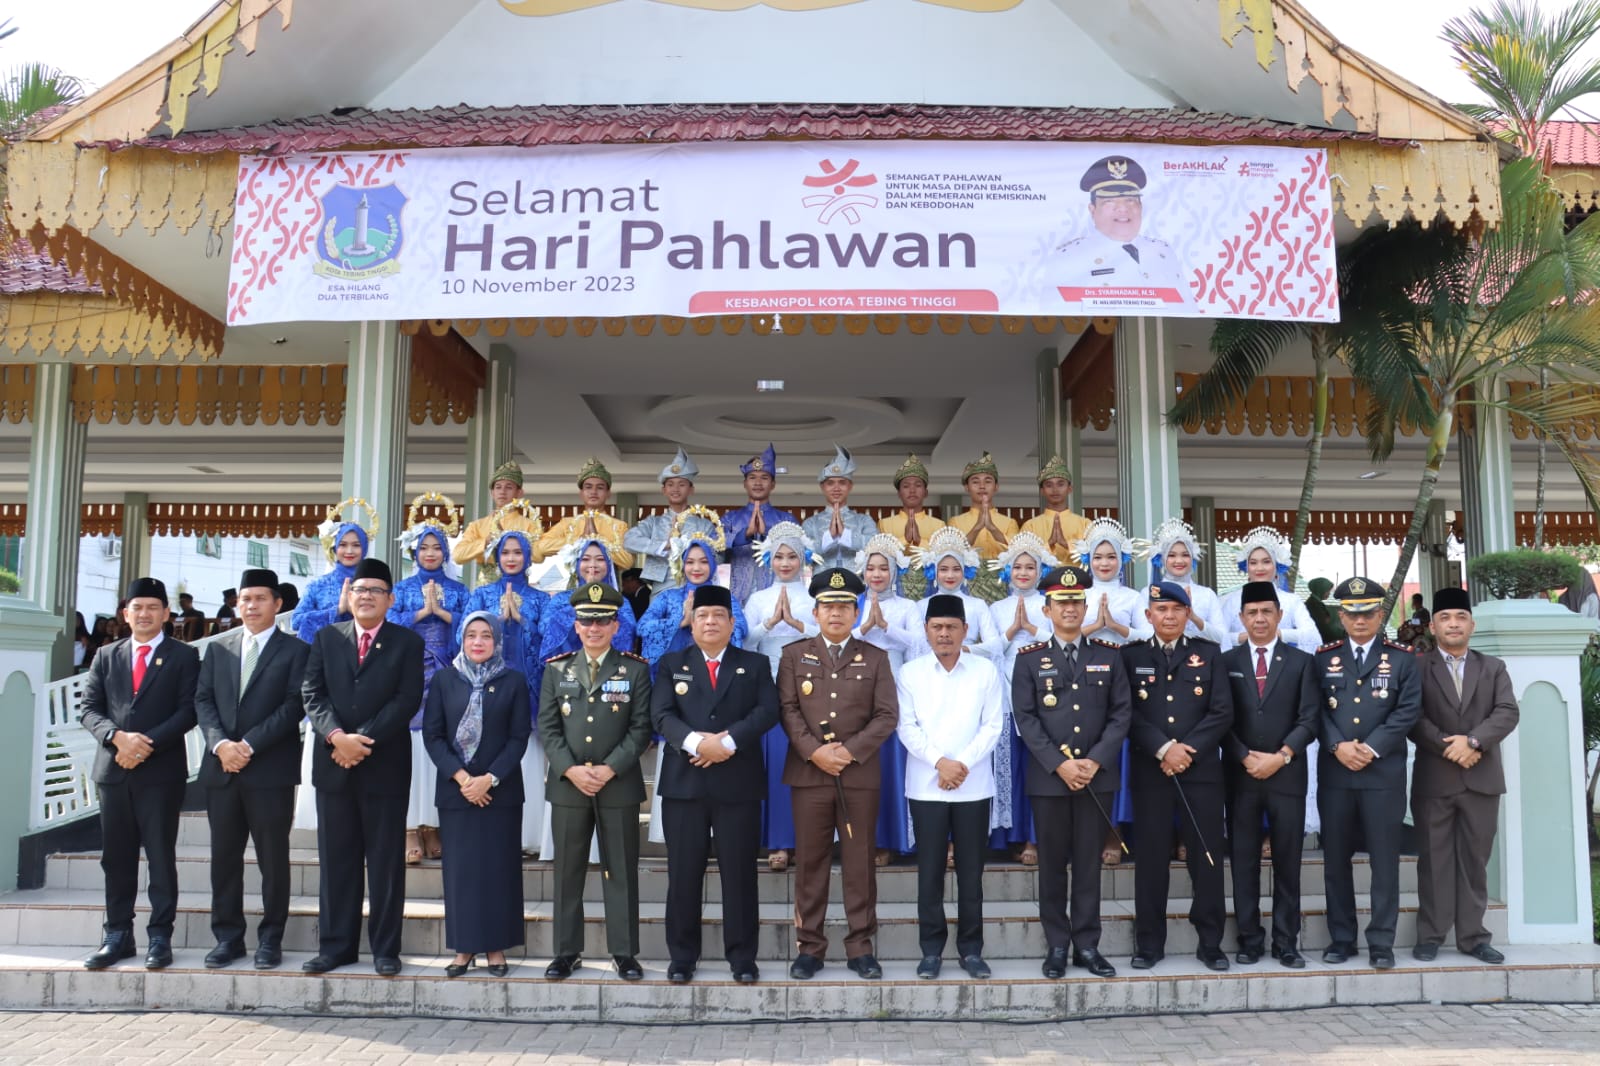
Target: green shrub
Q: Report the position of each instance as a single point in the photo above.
(9, 582)
(1523, 573)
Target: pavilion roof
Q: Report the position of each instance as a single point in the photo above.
(527, 127)
(26, 269)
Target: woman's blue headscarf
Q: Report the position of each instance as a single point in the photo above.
(611, 567)
(711, 556)
(521, 577)
(348, 573)
(444, 546)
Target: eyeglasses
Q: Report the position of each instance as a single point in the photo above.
(588, 622)
(368, 590)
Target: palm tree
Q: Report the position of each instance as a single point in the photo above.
(1526, 65)
(31, 89)
(1472, 314)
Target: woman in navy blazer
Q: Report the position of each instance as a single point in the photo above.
(476, 723)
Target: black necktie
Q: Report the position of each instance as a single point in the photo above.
(1132, 250)
(1361, 659)
(836, 653)
(1071, 652)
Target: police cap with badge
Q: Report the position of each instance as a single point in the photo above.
(1065, 584)
(1113, 176)
(1358, 595)
(836, 585)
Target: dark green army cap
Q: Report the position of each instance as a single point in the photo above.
(595, 600)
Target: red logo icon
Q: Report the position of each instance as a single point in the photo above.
(839, 199)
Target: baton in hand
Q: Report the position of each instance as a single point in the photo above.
(1197, 834)
(838, 785)
(1101, 807)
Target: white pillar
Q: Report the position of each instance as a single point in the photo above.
(135, 538)
(489, 431)
(55, 496)
(1147, 447)
(376, 420)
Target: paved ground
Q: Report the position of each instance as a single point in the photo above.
(1501, 1035)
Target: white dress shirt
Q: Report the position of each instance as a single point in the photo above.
(949, 714)
(691, 743)
(260, 640)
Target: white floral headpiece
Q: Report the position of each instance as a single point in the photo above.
(780, 534)
(1175, 531)
(947, 540)
(1025, 543)
(1274, 543)
(887, 545)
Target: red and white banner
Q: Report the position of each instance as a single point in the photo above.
(793, 227)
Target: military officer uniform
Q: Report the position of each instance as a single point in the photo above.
(1180, 695)
(1373, 696)
(1098, 259)
(1071, 700)
(597, 716)
(835, 694)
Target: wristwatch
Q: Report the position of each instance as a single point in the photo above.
(494, 782)
(1472, 742)
(1288, 756)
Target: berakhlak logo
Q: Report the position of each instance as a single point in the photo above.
(839, 199)
(362, 236)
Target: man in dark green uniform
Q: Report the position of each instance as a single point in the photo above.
(594, 720)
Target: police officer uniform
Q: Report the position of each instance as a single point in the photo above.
(841, 694)
(1372, 697)
(1071, 701)
(1095, 259)
(596, 716)
(1179, 696)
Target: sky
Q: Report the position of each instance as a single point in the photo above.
(1401, 34)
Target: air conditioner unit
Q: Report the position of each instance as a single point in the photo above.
(112, 547)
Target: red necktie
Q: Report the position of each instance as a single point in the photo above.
(1261, 671)
(140, 657)
(712, 665)
(363, 646)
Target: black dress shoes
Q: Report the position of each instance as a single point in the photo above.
(680, 973)
(1484, 953)
(746, 973)
(324, 963)
(116, 947)
(561, 967)
(1055, 964)
(1248, 958)
(1425, 951)
(498, 969)
(804, 967)
(976, 968)
(1213, 958)
(929, 967)
(459, 969)
(1144, 960)
(1382, 959)
(269, 955)
(866, 966)
(1337, 953)
(386, 966)
(224, 953)
(1095, 963)
(627, 967)
(159, 957)
(1291, 958)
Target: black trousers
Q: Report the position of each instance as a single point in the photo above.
(1286, 817)
(1456, 834)
(689, 825)
(359, 831)
(1377, 814)
(1071, 832)
(1155, 806)
(134, 817)
(936, 824)
(264, 816)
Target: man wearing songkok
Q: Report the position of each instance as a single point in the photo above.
(950, 720)
(505, 485)
(1056, 525)
(593, 522)
(649, 539)
(1072, 705)
(985, 528)
(138, 702)
(839, 706)
(747, 526)
(912, 524)
(1468, 710)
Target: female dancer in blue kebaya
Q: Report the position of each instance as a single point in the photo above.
(429, 603)
(1021, 621)
(665, 626)
(325, 601)
(520, 609)
(779, 614)
(890, 621)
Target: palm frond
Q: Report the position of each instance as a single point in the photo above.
(1243, 349)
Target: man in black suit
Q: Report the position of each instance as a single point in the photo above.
(1372, 695)
(138, 704)
(713, 703)
(1181, 709)
(1072, 706)
(249, 705)
(363, 682)
(1275, 714)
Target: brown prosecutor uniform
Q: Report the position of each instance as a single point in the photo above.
(853, 703)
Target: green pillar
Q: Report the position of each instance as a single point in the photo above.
(49, 573)
(626, 506)
(377, 418)
(1147, 447)
(1205, 534)
(1540, 865)
(1488, 491)
(30, 639)
(489, 431)
(135, 538)
(1058, 434)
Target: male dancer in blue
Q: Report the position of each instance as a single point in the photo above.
(747, 525)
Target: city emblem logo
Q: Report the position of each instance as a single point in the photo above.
(361, 237)
(837, 196)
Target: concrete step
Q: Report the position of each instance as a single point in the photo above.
(897, 883)
(43, 977)
(1011, 928)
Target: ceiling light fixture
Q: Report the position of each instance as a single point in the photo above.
(1370, 474)
(770, 385)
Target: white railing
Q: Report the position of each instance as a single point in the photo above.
(63, 755)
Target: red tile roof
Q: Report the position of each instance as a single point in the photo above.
(1572, 144)
(24, 270)
(462, 126)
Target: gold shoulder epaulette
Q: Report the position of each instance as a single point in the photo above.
(1033, 647)
(1329, 646)
(1113, 645)
(635, 657)
(563, 655)
(1396, 644)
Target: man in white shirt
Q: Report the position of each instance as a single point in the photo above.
(950, 721)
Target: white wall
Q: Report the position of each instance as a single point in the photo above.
(178, 562)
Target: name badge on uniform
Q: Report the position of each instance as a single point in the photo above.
(1049, 673)
(1145, 670)
(1102, 272)
(1235, 673)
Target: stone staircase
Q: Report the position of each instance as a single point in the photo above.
(45, 932)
